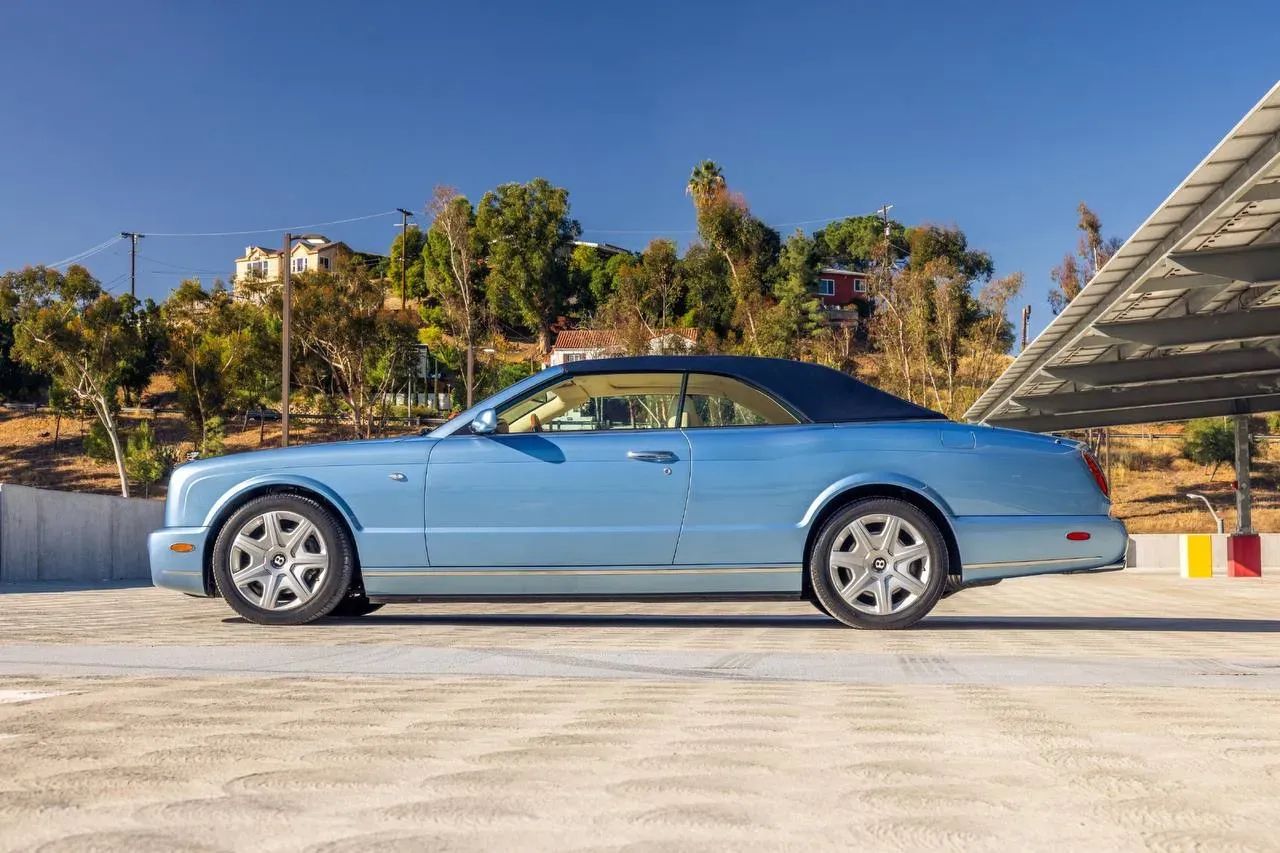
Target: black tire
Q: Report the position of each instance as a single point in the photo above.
(824, 586)
(339, 566)
(353, 606)
(822, 608)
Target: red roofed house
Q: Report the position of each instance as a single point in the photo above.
(580, 344)
(842, 291)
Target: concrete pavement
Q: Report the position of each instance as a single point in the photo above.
(1115, 712)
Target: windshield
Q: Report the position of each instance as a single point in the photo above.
(524, 385)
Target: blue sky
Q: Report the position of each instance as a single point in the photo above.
(996, 116)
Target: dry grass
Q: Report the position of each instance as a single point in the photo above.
(1150, 480)
(29, 456)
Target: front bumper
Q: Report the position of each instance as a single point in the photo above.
(176, 570)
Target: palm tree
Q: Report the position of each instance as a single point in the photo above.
(705, 182)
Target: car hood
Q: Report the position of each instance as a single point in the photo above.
(364, 451)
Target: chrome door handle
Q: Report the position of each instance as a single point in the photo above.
(651, 455)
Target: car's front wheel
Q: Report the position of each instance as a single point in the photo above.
(879, 563)
(283, 560)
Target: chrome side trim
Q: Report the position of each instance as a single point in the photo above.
(1114, 567)
(643, 570)
(1015, 563)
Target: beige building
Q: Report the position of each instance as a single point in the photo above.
(310, 252)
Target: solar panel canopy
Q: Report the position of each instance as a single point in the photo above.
(1183, 321)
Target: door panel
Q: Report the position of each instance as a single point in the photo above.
(557, 498)
(749, 489)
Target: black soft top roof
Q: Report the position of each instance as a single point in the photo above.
(817, 393)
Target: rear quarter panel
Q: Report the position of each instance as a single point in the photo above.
(755, 491)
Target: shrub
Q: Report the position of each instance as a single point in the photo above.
(212, 443)
(97, 444)
(1211, 441)
(145, 461)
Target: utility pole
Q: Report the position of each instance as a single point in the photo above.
(1026, 317)
(884, 212)
(404, 254)
(133, 260)
(286, 312)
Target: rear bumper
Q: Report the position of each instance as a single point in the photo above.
(180, 571)
(995, 547)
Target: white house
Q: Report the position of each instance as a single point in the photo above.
(580, 344)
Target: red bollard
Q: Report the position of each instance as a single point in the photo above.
(1244, 555)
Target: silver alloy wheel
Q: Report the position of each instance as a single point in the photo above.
(880, 564)
(278, 560)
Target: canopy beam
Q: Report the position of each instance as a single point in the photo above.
(1196, 328)
(1169, 367)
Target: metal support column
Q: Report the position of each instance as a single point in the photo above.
(1244, 494)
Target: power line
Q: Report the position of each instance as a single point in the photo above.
(87, 253)
(274, 230)
(178, 266)
(694, 231)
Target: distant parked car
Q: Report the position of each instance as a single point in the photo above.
(658, 477)
(262, 415)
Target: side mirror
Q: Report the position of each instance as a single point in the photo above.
(486, 423)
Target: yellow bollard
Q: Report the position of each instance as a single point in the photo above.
(1197, 555)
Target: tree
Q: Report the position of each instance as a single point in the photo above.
(411, 243)
(927, 243)
(452, 264)
(528, 234)
(659, 264)
(593, 275)
(1075, 271)
(938, 346)
(858, 240)
(221, 351)
(990, 334)
(794, 319)
(136, 374)
(704, 277)
(17, 381)
(338, 316)
(1212, 442)
(749, 247)
(146, 461)
(71, 330)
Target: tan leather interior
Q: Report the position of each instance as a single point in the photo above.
(532, 414)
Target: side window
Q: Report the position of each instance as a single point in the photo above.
(718, 401)
(607, 401)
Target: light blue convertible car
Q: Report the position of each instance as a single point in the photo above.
(655, 477)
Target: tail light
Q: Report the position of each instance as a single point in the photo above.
(1096, 471)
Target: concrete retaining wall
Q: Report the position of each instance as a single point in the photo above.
(69, 536)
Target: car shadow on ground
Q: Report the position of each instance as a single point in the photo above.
(940, 624)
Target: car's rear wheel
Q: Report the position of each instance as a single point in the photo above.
(878, 563)
(283, 560)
